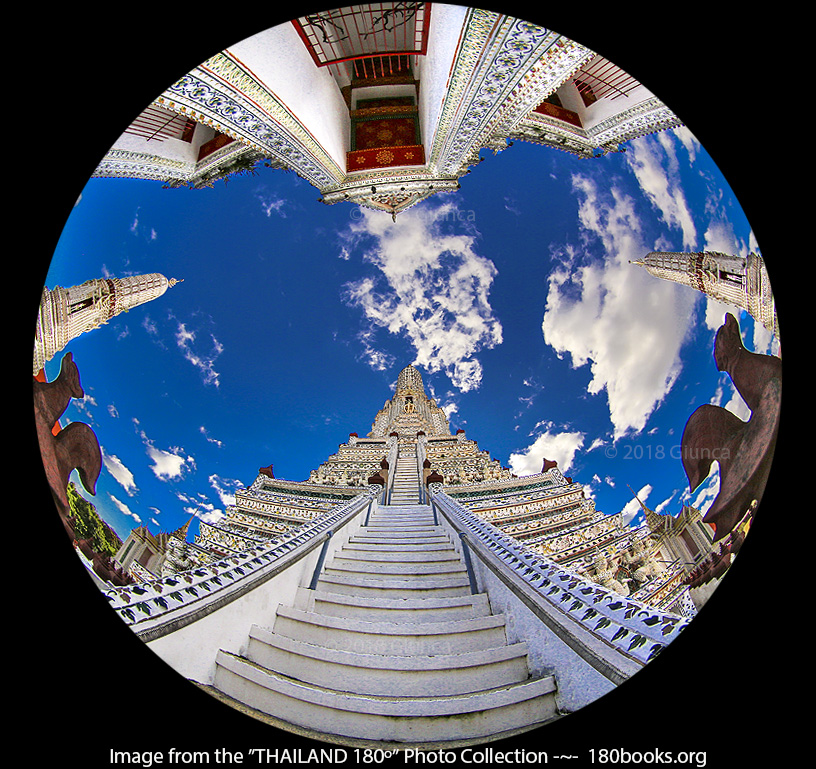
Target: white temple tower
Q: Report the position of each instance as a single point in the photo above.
(384, 104)
(411, 443)
(410, 410)
(65, 313)
(741, 281)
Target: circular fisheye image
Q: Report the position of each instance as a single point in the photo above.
(407, 377)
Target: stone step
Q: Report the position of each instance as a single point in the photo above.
(391, 609)
(400, 529)
(397, 638)
(399, 525)
(391, 541)
(392, 513)
(398, 547)
(400, 554)
(427, 531)
(391, 647)
(380, 527)
(340, 565)
(364, 672)
(407, 514)
(386, 719)
(395, 587)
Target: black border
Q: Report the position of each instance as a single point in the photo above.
(87, 685)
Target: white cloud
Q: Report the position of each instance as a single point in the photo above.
(688, 140)
(431, 287)
(613, 316)
(764, 341)
(121, 474)
(664, 504)
(206, 511)
(185, 339)
(210, 439)
(225, 488)
(449, 409)
(150, 326)
(632, 507)
(706, 492)
(655, 165)
(271, 203)
(510, 205)
(124, 509)
(376, 359)
(85, 405)
(201, 508)
(738, 406)
(558, 446)
(209, 514)
(446, 402)
(167, 465)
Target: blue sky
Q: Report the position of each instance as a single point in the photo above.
(514, 297)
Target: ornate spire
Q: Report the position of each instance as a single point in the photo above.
(410, 411)
(741, 281)
(656, 522)
(181, 532)
(65, 313)
(410, 380)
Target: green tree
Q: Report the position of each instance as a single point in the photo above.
(89, 525)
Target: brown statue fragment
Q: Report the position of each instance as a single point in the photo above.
(744, 450)
(73, 447)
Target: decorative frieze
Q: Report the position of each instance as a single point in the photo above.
(644, 118)
(130, 164)
(222, 93)
(503, 69)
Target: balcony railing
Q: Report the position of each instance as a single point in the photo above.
(381, 66)
(157, 124)
(631, 628)
(154, 606)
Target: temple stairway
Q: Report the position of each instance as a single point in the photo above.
(405, 490)
(391, 648)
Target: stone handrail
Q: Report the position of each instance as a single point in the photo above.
(182, 597)
(631, 628)
(420, 459)
(391, 458)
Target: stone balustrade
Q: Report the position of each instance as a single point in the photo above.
(150, 603)
(631, 628)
